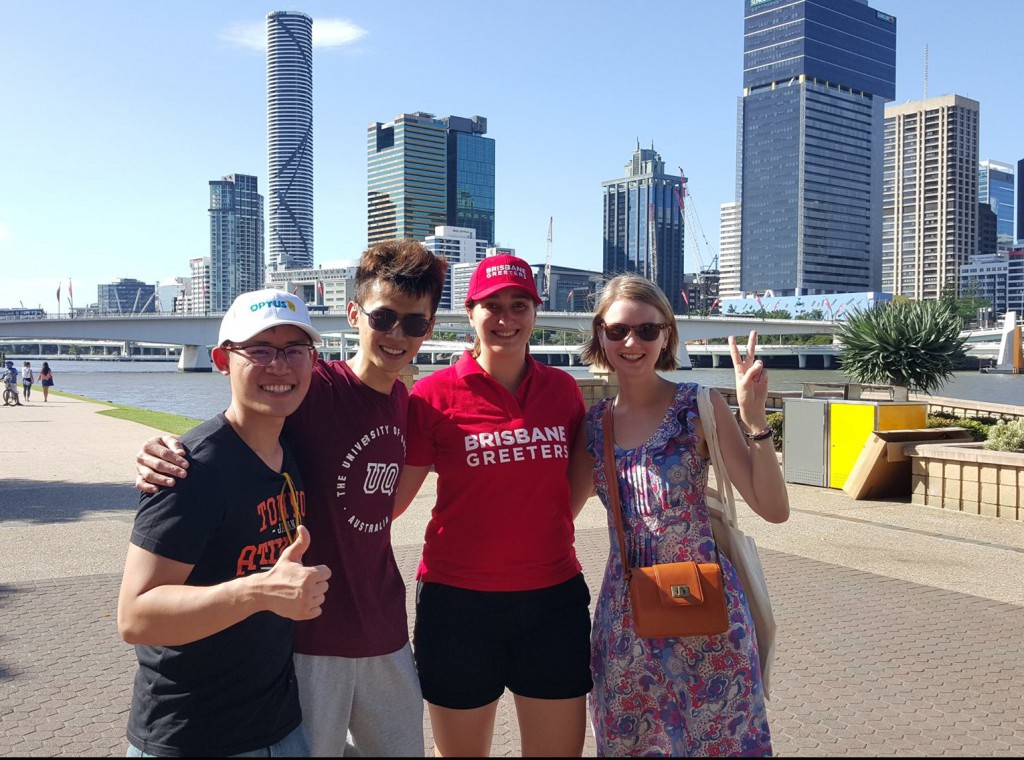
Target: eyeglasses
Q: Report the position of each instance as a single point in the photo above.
(646, 332)
(293, 499)
(263, 355)
(413, 325)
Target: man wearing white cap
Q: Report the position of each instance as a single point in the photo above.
(214, 575)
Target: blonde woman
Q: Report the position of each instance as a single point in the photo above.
(688, 696)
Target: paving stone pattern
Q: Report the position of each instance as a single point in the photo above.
(867, 665)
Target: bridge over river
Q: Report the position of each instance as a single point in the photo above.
(196, 334)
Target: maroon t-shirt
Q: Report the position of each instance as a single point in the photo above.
(349, 441)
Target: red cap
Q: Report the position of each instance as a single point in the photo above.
(498, 272)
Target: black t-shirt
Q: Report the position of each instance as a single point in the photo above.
(234, 691)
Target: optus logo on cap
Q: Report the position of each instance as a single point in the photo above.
(281, 304)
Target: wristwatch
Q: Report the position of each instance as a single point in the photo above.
(759, 435)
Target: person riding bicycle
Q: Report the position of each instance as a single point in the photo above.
(10, 378)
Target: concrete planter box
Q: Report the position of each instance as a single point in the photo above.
(968, 478)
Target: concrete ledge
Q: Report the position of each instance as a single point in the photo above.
(966, 477)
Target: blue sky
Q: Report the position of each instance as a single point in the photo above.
(115, 115)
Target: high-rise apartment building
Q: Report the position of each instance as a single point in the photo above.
(407, 176)
(729, 231)
(930, 212)
(425, 172)
(995, 187)
(816, 75)
(290, 139)
(471, 176)
(236, 239)
(643, 225)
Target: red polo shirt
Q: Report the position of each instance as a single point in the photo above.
(502, 520)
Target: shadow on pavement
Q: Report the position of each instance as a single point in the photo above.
(38, 501)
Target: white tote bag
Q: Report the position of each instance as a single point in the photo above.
(738, 547)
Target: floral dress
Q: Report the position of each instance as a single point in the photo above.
(685, 697)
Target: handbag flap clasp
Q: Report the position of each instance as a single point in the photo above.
(679, 584)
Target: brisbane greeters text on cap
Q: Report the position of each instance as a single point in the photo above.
(498, 272)
(252, 313)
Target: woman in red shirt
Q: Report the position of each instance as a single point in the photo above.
(501, 599)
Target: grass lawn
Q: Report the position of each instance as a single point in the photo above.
(171, 423)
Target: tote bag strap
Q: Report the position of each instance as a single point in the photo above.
(611, 477)
(706, 411)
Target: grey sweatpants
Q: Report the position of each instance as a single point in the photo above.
(362, 706)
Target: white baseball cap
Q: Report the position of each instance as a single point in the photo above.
(259, 310)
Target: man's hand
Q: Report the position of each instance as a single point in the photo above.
(159, 462)
(294, 591)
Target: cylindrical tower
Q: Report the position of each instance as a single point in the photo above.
(290, 139)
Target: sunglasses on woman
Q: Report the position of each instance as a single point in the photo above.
(382, 320)
(646, 332)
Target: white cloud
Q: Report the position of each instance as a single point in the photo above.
(5, 234)
(251, 34)
(335, 32)
(327, 33)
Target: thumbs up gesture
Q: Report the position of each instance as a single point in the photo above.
(291, 589)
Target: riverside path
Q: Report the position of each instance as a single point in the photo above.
(899, 625)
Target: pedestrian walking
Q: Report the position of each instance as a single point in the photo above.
(687, 696)
(27, 378)
(501, 599)
(46, 380)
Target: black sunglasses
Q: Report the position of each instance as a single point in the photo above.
(413, 325)
(646, 332)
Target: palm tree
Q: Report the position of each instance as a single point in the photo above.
(916, 344)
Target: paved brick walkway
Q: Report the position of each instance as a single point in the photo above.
(868, 665)
(901, 627)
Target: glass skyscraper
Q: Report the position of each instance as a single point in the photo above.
(236, 239)
(471, 176)
(407, 175)
(290, 139)
(643, 226)
(816, 76)
(995, 187)
(424, 172)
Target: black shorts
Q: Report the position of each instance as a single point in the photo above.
(471, 645)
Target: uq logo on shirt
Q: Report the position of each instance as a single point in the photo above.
(365, 486)
(518, 445)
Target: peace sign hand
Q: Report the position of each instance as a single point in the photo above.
(751, 382)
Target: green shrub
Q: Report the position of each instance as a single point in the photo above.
(775, 423)
(1006, 436)
(916, 344)
(978, 429)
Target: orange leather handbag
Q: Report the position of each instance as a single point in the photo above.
(672, 599)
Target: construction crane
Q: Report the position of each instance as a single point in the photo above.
(547, 264)
(707, 283)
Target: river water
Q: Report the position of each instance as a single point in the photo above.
(160, 387)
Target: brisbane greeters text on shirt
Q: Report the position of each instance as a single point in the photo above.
(519, 445)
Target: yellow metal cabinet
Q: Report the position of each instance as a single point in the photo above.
(851, 422)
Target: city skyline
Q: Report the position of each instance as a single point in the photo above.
(110, 89)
